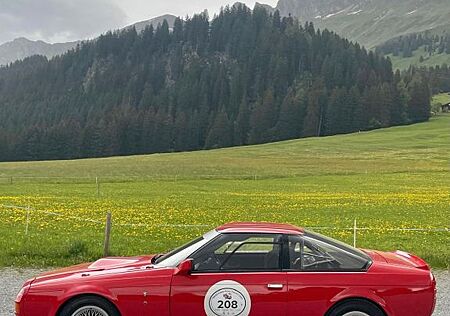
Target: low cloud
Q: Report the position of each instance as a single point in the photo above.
(58, 20)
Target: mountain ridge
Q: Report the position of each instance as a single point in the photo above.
(23, 47)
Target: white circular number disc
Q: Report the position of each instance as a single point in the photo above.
(227, 298)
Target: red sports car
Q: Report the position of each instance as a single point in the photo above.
(240, 269)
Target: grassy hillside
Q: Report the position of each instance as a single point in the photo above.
(371, 23)
(403, 63)
(386, 179)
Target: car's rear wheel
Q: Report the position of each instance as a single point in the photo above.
(89, 306)
(356, 308)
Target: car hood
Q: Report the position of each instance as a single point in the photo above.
(104, 264)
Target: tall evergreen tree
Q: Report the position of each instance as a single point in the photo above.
(263, 119)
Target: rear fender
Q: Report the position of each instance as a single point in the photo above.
(362, 294)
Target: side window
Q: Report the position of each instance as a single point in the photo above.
(240, 252)
(309, 254)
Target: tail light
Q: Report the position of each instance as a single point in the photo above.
(433, 280)
(17, 309)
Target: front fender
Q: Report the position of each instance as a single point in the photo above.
(48, 302)
(84, 290)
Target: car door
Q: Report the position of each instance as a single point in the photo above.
(319, 270)
(236, 274)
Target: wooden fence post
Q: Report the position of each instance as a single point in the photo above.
(28, 221)
(107, 234)
(97, 183)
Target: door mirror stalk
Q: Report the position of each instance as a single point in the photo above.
(184, 268)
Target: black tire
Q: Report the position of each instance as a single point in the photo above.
(356, 305)
(89, 300)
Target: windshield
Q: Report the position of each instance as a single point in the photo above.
(175, 257)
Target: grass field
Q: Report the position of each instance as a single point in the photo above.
(402, 63)
(386, 179)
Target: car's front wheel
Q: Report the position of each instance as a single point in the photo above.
(89, 306)
(356, 308)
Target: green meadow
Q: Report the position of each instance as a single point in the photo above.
(394, 182)
(403, 63)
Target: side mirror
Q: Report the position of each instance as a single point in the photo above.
(184, 268)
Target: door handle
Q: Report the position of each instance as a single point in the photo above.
(274, 286)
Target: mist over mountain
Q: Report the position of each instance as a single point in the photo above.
(21, 48)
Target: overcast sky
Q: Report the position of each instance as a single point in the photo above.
(69, 20)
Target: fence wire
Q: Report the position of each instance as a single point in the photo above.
(77, 218)
(317, 228)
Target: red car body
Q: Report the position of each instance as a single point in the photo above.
(398, 283)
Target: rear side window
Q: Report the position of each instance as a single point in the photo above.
(307, 253)
(240, 252)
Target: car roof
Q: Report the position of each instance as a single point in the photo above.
(260, 227)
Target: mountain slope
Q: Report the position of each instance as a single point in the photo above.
(21, 48)
(424, 49)
(371, 22)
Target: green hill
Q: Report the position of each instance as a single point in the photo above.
(423, 49)
(386, 179)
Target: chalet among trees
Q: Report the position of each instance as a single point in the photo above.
(445, 107)
(244, 77)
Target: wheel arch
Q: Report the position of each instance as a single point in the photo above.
(358, 299)
(78, 296)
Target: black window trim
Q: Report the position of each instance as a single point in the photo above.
(365, 268)
(284, 260)
(284, 265)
